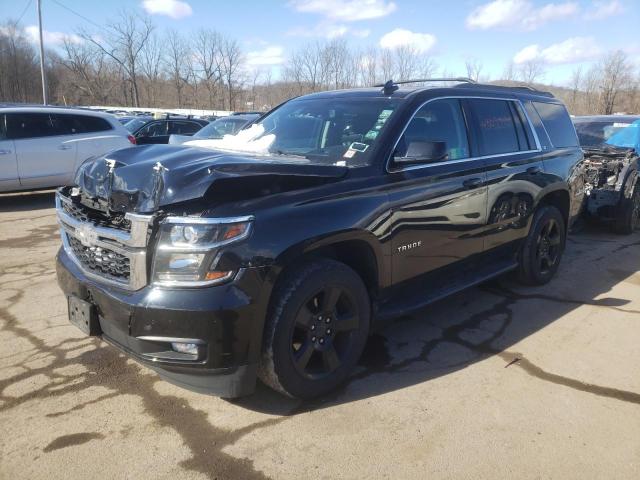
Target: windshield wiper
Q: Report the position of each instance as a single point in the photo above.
(288, 154)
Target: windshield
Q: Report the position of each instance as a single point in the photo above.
(333, 131)
(627, 137)
(134, 124)
(591, 134)
(221, 127)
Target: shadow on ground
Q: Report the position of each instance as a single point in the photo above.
(27, 201)
(484, 321)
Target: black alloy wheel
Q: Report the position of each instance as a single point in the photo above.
(316, 328)
(548, 246)
(323, 332)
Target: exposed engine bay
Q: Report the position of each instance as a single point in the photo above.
(610, 176)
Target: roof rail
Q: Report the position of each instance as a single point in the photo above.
(424, 80)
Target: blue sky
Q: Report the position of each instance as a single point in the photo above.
(560, 33)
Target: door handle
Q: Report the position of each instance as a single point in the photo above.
(5, 152)
(472, 183)
(534, 170)
(64, 147)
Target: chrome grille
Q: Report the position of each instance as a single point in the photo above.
(102, 261)
(104, 251)
(96, 217)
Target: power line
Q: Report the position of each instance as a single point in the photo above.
(78, 14)
(29, 2)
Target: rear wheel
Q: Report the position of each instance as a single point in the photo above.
(316, 329)
(542, 250)
(628, 213)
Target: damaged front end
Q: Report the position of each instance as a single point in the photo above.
(611, 183)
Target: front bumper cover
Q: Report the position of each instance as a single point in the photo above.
(226, 320)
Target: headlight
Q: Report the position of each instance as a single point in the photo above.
(188, 249)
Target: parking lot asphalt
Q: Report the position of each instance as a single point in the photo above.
(499, 381)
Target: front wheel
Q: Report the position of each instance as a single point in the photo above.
(543, 248)
(628, 213)
(316, 329)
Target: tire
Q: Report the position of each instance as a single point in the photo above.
(542, 251)
(316, 329)
(628, 214)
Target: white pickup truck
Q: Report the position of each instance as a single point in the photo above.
(41, 147)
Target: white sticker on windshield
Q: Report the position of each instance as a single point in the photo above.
(349, 153)
(359, 147)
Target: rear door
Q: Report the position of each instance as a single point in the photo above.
(513, 163)
(45, 155)
(153, 132)
(8, 163)
(438, 208)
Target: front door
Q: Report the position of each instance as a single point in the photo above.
(153, 133)
(438, 208)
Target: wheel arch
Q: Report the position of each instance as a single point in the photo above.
(560, 199)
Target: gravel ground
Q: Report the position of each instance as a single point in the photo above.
(499, 381)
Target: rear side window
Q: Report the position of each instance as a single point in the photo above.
(30, 125)
(184, 128)
(496, 127)
(558, 124)
(82, 123)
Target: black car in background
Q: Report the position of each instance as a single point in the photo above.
(217, 129)
(147, 130)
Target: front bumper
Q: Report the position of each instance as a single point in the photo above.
(225, 320)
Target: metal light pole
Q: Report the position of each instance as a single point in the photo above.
(45, 100)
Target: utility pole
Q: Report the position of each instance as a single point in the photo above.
(45, 100)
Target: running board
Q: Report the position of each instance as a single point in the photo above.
(415, 299)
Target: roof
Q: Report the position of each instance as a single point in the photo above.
(404, 89)
(51, 109)
(606, 118)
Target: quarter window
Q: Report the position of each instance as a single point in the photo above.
(557, 123)
(496, 127)
(437, 121)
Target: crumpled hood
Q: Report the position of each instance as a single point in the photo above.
(142, 179)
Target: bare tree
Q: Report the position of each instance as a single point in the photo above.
(616, 72)
(509, 72)
(123, 41)
(150, 65)
(231, 59)
(207, 49)
(176, 63)
(89, 71)
(474, 68)
(531, 71)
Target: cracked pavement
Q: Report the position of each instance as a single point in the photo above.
(499, 381)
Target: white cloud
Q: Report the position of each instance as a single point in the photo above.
(575, 49)
(519, 14)
(50, 39)
(422, 42)
(603, 9)
(171, 8)
(271, 55)
(329, 31)
(346, 10)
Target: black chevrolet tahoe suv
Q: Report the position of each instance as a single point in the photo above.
(273, 254)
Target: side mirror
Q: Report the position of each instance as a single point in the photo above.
(423, 152)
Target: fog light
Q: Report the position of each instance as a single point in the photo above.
(188, 348)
